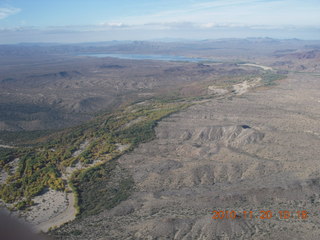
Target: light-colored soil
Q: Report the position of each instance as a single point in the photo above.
(51, 209)
(68, 214)
(243, 87)
(237, 89)
(6, 146)
(3, 176)
(13, 167)
(81, 148)
(257, 65)
(216, 90)
(122, 147)
(55, 208)
(135, 121)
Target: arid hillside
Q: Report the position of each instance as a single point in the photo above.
(254, 152)
(53, 86)
(111, 148)
(51, 95)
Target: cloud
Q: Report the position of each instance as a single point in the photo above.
(8, 11)
(114, 24)
(182, 30)
(236, 12)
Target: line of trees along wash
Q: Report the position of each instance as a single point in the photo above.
(42, 166)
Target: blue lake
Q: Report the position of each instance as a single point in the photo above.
(171, 58)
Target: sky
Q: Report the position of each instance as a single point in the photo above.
(105, 20)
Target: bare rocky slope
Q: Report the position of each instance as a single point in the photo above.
(258, 151)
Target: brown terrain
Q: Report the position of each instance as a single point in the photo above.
(55, 95)
(250, 147)
(254, 152)
(50, 87)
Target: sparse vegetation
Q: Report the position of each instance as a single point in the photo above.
(6, 155)
(250, 153)
(42, 166)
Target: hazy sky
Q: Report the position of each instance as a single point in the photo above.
(100, 20)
